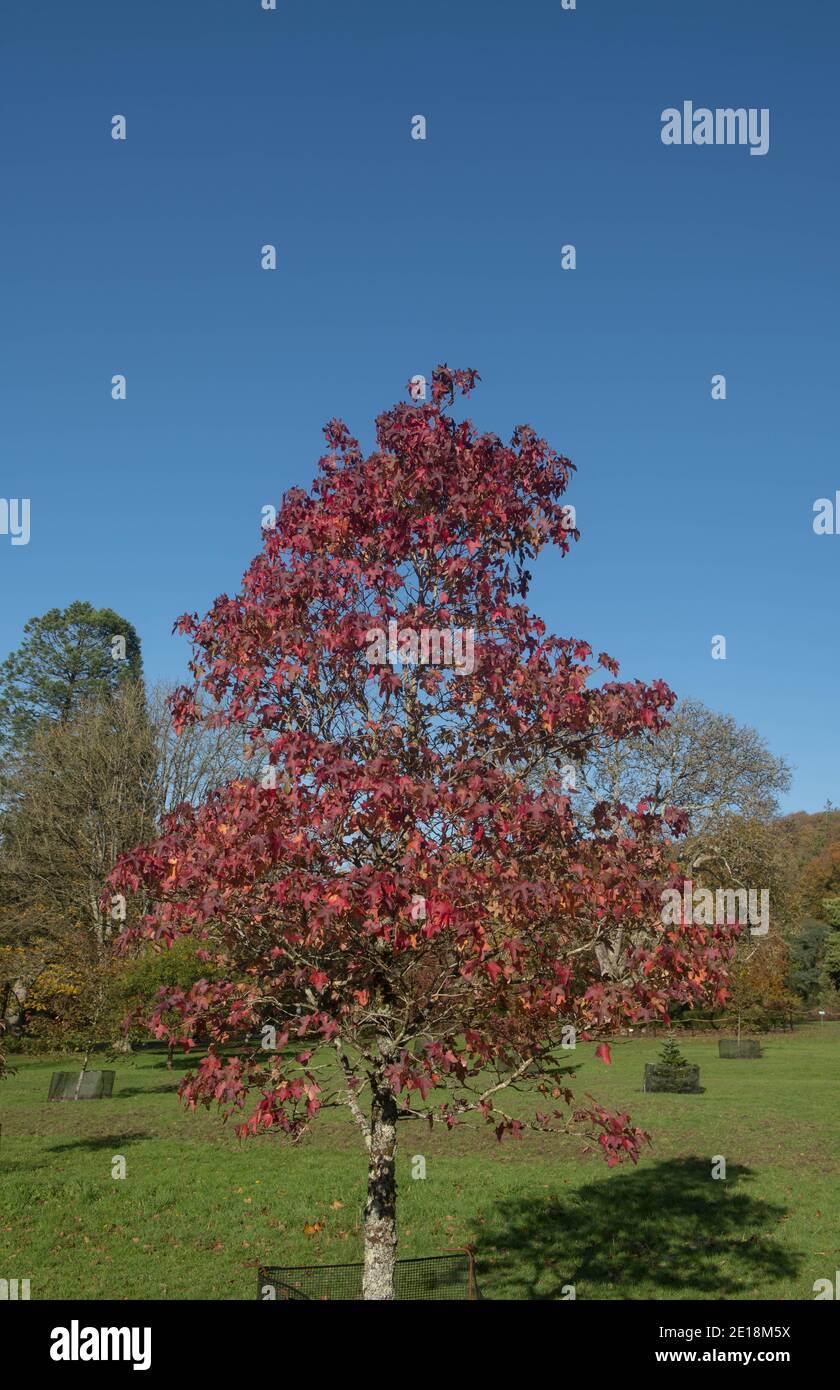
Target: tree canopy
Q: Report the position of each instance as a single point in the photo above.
(67, 657)
(397, 890)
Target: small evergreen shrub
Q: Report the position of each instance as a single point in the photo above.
(672, 1072)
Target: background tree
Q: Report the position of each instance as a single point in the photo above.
(704, 762)
(82, 791)
(204, 756)
(728, 781)
(402, 896)
(78, 792)
(758, 982)
(807, 835)
(806, 947)
(67, 658)
(814, 842)
(156, 971)
(78, 1004)
(725, 778)
(820, 879)
(831, 959)
(745, 853)
(831, 963)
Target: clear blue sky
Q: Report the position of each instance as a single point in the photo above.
(293, 127)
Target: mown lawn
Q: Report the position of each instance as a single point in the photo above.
(198, 1211)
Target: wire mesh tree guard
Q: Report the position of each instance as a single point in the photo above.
(94, 1085)
(739, 1047)
(430, 1277)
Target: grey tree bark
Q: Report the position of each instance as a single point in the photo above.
(380, 1217)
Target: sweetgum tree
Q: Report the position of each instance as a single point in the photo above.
(411, 920)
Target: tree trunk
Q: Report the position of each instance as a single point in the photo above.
(13, 1013)
(380, 1219)
(81, 1075)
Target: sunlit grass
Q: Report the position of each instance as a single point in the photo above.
(198, 1211)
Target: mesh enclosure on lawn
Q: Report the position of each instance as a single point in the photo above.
(731, 1047)
(95, 1085)
(434, 1277)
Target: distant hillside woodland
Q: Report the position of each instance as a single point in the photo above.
(91, 764)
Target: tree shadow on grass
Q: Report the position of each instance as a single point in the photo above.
(125, 1092)
(102, 1141)
(669, 1231)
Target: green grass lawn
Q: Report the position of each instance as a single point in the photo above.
(198, 1211)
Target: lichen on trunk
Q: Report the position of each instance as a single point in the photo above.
(380, 1215)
